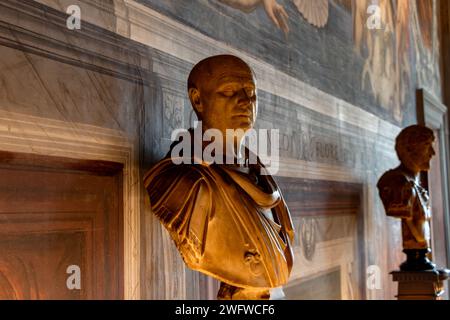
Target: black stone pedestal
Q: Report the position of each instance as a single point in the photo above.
(417, 260)
(420, 285)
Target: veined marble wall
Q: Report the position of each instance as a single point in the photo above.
(124, 75)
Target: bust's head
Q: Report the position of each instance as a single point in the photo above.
(222, 90)
(414, 146)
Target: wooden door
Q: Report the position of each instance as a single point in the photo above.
(60, 228)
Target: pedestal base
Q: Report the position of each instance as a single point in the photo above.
(417, 260)
(420, 285)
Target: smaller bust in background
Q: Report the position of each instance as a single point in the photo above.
(403, 197)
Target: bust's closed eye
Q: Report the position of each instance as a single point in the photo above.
(227, 92)
(230, 91)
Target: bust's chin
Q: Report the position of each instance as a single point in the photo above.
(245, 126)
(423, 167)
(411, 166)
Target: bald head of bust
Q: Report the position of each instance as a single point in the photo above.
(207, 68)
(222, 91)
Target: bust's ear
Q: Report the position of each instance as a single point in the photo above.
(194, 96)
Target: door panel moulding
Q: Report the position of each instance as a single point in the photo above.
(35, 135)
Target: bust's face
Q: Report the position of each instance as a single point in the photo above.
(227, 98)
(420, 156)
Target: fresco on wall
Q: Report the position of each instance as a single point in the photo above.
(405, 33)
(274, 10)
(425, 23)
(313, 11)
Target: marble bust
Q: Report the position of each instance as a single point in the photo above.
(230, 220)
(403, 196)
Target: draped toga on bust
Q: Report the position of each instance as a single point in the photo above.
(404, 198)
(227, 221)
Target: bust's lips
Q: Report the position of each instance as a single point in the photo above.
(243, 114)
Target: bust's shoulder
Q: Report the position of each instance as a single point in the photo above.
(393, 178)
(174, 190)
(172, 185)
(166, 172)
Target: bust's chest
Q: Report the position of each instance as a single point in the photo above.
(421, 201)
